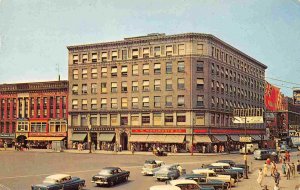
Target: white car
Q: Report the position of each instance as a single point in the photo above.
(185, 184)
(250, 148)
(210, 174)
(225, 166)
(164, 187)
(151, 166)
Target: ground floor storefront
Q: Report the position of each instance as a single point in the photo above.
(7, 139)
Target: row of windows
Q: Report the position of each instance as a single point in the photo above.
(228, 104)
(54, 126)
(237, 63)
(5, 127)
(134, 53)
(135, 87)
(123, 70)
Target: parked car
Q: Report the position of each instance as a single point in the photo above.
(250, 148)
(210, 174)
(284, 148)
(204, 182)
(219, 170)
(261, 154)
(151, 166)
(185, 184)
(110, 176)
(60, 181)
(228, 168)
(171, 171)
(233, 164)
(164, 187)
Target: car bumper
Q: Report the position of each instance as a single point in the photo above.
(100, 182)
(147, 172)
(162, 177)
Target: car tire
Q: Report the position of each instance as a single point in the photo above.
(111, 183)
(80, 187)
(126, 178)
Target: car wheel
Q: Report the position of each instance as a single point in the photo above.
(158, 179)
(111, 183)
(172, 177)
(80, 187)
(126, 178)
(98, 185)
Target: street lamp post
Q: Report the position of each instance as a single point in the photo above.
(245, 156)
(89, 134)
(193, 123)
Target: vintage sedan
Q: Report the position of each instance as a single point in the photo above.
(233, 164)
(210, 174)
(164, 187)
(60, 181)
(204, 182)
(219, 170)
(151, 166)
(110, 176)
(228, 168)
(172, 171)
(186, 184)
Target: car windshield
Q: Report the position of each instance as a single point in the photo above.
(105, 172)
(50, 180)
(150, 162)
(165, 168)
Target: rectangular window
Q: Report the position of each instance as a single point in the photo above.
(180, 84)
(104, 72)
(94, 88)
(157, 85)
(135, 70)
(135, 53)
(200, 83)
(103, 87)
(169, 101)
(103, 103)
(169, 84)
(146, 86)
(146, 101)
(200, 102)
(157, 68)
(135, 102)
(74, 104)
(84, 89)
(169, 50)
(103, 120)
(124, 102)
(200, 49)
(94, 73)
(124, 70)
(180, 100)
(124, 120)
(124, 86)
(135, 87)
(75, 59)
(84, 58)
(180, 66)
(114, 86)
(114, 55)
(200, 65)
(114, 103)
(157, 101)
(200, 119)
(181, 49)
(75, 89)
(124, 54)
(114, 71)
(114, 120)
(104, 56)
(157, 51)
(168, 67)
(169, 119)
(146, 69)
(94, 104)
(135, 120)
(84, 104)
(156, 119)
(94, 57)
(181, 118)
(146, 119)
(75, 74)
(84, 74)
(146, 53)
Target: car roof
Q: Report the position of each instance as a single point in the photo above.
(110, 168)
(226, 161)
(182, 181)
(170, 165)
(220, 164)
(192, 175)
(164, 187)
(58, 176)
(205, 170)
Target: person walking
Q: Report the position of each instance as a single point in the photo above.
(283, 167)
(298, 166)
(293, 169)
(276, 177)
(260, 177)
(287, 156)
(273, 168)
(132, 149)
(5, 145)
(265, 170)
(276, 187)
(288, 172)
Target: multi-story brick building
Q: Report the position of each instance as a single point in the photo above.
(162, 89)
(34, 112)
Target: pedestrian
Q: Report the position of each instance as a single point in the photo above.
(260, 177)
(288, 171)
(268, 161)
(298, 166)
(175, 149)
(265, 170)
(287, 156)
(293, 169)
(276, 187)
(120, 148)
(276, 177)
(5, 145)
(283, 167)
(132, 148)
(273, 168)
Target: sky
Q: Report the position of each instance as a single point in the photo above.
(34, 33)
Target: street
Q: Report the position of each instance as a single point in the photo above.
(19, 170)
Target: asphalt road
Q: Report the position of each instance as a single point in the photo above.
(19, 170)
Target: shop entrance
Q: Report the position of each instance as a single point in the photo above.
(124, 140)
(22, 139)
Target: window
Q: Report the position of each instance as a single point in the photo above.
(180, 66)
(114, 70)
(124, 54)
(84, 58)
(146, 69)
(200, 49)
(103, 87)
(93, 120)
(146, 119)
(135, 70)
(146, 101)
(212, 102)
(124, 86)
(181, 118)
(200, 65)
(103, 120)
(212, 85)
(84, 104)
(84, 89)
(222, 87)
(169, 50)
(38, 126)
(94, 57)
(104, 72)
(135, 102)
(169, 84)
(94, 88)
(181, 49)
(157, 68)
(104, 56)
(180, 84)
(124, 71)
(114, 55)
(212, 67)
(157, 101)
(200, 83)
(169, 67)
(84, 74)
(135, 87)
(146, 86)
(114, 87)
(146, 53)
(135, 53)
(103, 103)
(218, 70)
(157, 51)
(124, 102)
(94, 104)
(135, 120)
(200, 102)
(226, 73)
(157, 85)
(218, 86)
(75, 89)
(212, 119)
(94, 73)
(114, 103)
(124, 120)
(200, 119)
(57, 126)
(222, 71)
(169, 119)
(180, 100)
(75, 59)
(74, 104)
(75, 74)
(113, 119)
(156, 119)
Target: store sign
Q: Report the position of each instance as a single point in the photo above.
(245, 139)
(252, 120)
(293, 133)
(237, 131)
(158, 130)
(58, 134)
(7, 135)
(93, 129)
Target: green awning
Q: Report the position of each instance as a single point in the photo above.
(106, 137)
(78, 137)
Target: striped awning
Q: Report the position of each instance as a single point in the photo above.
(235, 138)
(255, 137)
(174, 138)
(156, 138)
(138, 138)
(106, 137)
(45, 138)
(201, 139)
(78, 137)
(220, 138)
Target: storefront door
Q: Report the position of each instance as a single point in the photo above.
(124, 140)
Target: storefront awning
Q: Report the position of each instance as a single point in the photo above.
(156, 138)
(220, 138)
(265, 138)
(235, 138)
(106, 137)
(174, 138)
(45, 138)
(295, 140)
(138, 138)
(78, 137)
(35, 138)
(255, 137)
(201, 139)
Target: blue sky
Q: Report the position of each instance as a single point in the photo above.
(34, 33)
